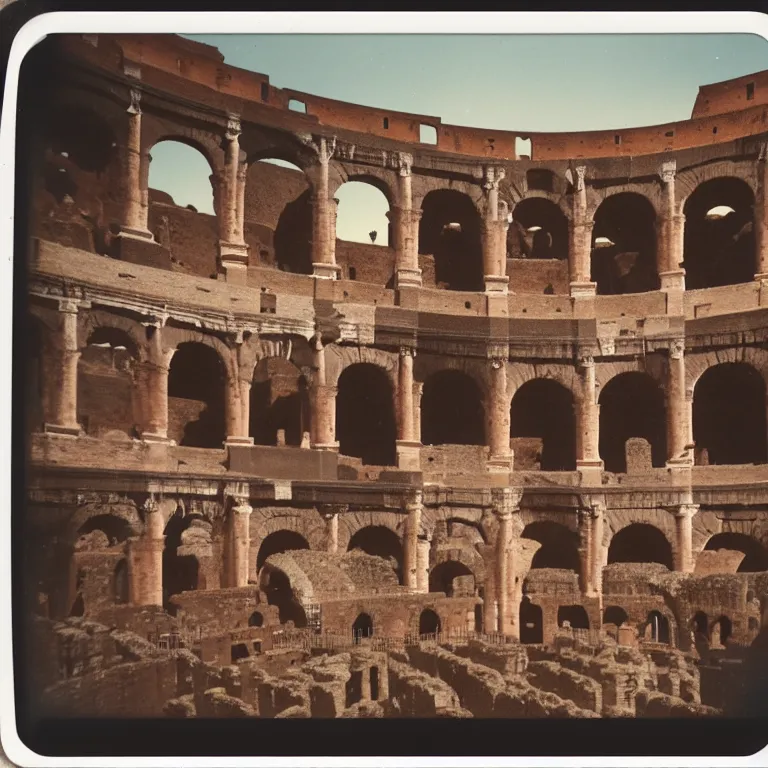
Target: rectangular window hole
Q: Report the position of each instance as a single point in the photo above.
(523, 148)
(386, 123)
(427, 134)
(750, 91)
(617, 140)
(265, 91)
(297, 106)
(352, 273)
(669, 134)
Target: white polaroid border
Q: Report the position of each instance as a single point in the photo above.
(291, 22)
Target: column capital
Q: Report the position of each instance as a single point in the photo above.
(414, 501)
(585, 359)
(402, 162)
(492, 175)
(497, 361)
(506, 501)
(155, 319)
(329, 511)
(406, 351)
(581, 172)
(150, 505)
(677, 349)
(134, 108)
(324, 147)
(234, 129)
(763, 152)
(685, 510)
(68, 306)
(668, 171)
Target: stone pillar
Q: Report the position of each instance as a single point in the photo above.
(588, 460)
(240, 541)
(406, 228)
(580, 240)
(761, 216)
(331, 517)
(678, 415)
(490, 605)
(408, 444)
(494, 233)
(501, 458)
(684, 537)
(323, 223)
(597, 513)
(135, 176)
(413, 507)
(323, 401)
(145, 559)
(242, 175)
(418, 389)
(155, 392)
(238, 398)
(669, 245)
(63, 389)
(232, 250)
(506, 503)
(423, 545)
(586, 552)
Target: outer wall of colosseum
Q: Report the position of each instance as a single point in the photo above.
(513, 463)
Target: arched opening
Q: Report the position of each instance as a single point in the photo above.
(196, 396)
(539, 230)
(256, 619)
(719, 240)
(640, 543)
(755, 554)
(278, 542)
(429, 622)
(449, 231)
(105, 383)
(624, 245)
(120, 583)
(631, 405)
(238, 651)
(293, 236)
(452, 410)
(277, 587)
(180, 571)
(575, 615)
(531, 622)
(362, 214)
(443, 576)
(34, 374)
(365, 415)
(362, 627)
(700, 626)
(559, 545)
(279, 403)
(721, 630)
(615, 615)
(379, 541)
(544, 408)
(657, 628)
(729, 415)
(182, 207)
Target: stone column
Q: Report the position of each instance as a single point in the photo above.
(242, 175)
(588, 460)
(331, 517)
(145, 559)
(597, 513)
(323, 401)
(413, 507)
(238, 396)
(506, 502)
(490, 605)
(678, 415)
(423, 545)
(418, 389)
(135, 176)
(408, 445)
(669, 246)
(155, 392)
(323, 223)
(586, 552)
(240, 541)
(761, 216)
(405, 229)
(580, 240)
(63, 389)
(494, 233)
(232, 250)
(684, 514)
(501, 457)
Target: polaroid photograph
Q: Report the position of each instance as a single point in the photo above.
(385, 388)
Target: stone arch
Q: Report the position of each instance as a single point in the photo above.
(380, 178)
(615, 614)
(729, 415)
(575, 615)
(559, 545)
(125, 516)
(755, 552)
(624, 244)
(452, 564)
(539, 229)
(286, 587)
(363, 196)
(658, 628)
(450, 231)
(174, 337)
(338, 358)
(631, 405)
(279, 542)
(207, 142)
(429, 622)
(99, 321)
(696, 363)
(719, 236)
(187, 542)
(363, 626)
(640, 542)
(690, 179)
(520, 373)
(380, 541)
(565, 518)
(452, 409)
(352, 522)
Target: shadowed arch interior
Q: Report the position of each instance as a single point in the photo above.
(380, 541)
(544, 408)
(729, 415)
(575, 615)
(429, 622)
(279, 401)
(180, 572)
(365, 415)
(640, 543)
(280, 593)
(755, 554)
(719, 245)
(624, 245)
(362, 626)
(277, 543)
(614, 614)
(539, 230)
(196, 396)
(452, 410)
(559, 545)
(449, 231)
(657, 628)
(531, 622)
(442, 576)
(631, 405)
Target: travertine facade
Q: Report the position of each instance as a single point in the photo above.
(542, 406)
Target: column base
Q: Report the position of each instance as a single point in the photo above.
(234, 252)
(327, 447)
(408, 278)
(235, 272)
(497, 284)
(674, 280)
(501, 464)
(591, 471)
(583, 290)
(761, 277)
(236, 440)
(408, 455)
(155, 437)
(65, 430)
(680, 462)
(135, 234)
(326, 271)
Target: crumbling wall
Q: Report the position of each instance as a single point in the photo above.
(656, 704)
(415, 693)
(580, 689)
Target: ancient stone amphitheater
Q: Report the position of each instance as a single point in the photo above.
(512, 463)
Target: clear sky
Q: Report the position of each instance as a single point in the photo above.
(504, 82)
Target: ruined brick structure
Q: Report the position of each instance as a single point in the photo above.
(541, 408)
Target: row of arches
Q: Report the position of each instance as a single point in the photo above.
(718, 248)
(728, 409)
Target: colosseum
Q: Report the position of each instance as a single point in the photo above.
(512, 463)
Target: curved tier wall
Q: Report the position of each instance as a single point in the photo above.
(557, 367)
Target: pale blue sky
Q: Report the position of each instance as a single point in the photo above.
(504, 82)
